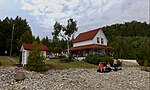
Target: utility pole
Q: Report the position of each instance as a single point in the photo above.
(11, 40)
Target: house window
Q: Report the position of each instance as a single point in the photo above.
(97, 39)
(102, 41)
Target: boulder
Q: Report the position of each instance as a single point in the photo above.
(19, 76)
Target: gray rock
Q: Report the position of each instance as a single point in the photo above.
(19, 76)
(129, 78)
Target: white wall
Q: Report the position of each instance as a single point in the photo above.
(25, 54)
(83, 43)
(100, 34)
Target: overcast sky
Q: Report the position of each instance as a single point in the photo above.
(89, 14)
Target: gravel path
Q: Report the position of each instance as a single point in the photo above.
(129, 78)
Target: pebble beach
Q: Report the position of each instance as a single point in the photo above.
(129, 78)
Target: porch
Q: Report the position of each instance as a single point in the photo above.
(80, 52)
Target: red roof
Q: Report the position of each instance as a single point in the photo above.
(29, 47)
(86, 35)
(90, 46)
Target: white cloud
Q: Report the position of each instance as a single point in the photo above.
(1, 1)
(88, 13)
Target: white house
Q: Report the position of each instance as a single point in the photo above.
(26, 48)
(90, 42)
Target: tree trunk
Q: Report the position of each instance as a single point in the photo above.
(68, 48)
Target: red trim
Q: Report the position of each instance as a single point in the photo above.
(90, 46)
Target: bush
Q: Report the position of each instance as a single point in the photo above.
(0, 64)
(142, 55)
(35, 59)
(95, 59)
(35, 63)
(63, 56)
(67, 59)
(71, 58)
(119, 63)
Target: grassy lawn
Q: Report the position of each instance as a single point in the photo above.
(5, 61)
(56, 64)
(52, 64)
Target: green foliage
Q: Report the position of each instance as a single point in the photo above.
(57, 49)
(123, 47)
(55, 45)
(66, 32)
(67, 59)
(119, 63)
(27, 37)
(57, 64)
(63, 56)
(126, 29)
(45, 41)
(143, 52)
(6, 28)
(131, 40)
(37, 39)
(6, 61)
(0, 64)
(95, 59)
(132, 48)
(35, 59)
(71, 58)
(145, 64)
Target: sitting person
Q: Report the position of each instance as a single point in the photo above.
(100, 67)
(108, 67)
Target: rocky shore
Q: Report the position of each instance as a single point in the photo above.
(129, 78)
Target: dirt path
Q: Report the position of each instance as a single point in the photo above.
(13, 60)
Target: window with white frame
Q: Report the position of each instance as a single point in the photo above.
(97, 39)
(102, 41)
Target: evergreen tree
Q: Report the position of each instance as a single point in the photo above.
(38, 39)
(35, 59)
(11, 31)
(27, 37)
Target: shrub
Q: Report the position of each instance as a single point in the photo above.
(63, 56)
(35, 59)
(95, 59)
(67, 59)
(71, 58)
(119, 63)
(145, 64)
(142, 54)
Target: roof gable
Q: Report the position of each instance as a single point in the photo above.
(89, 35)
(29, 47)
